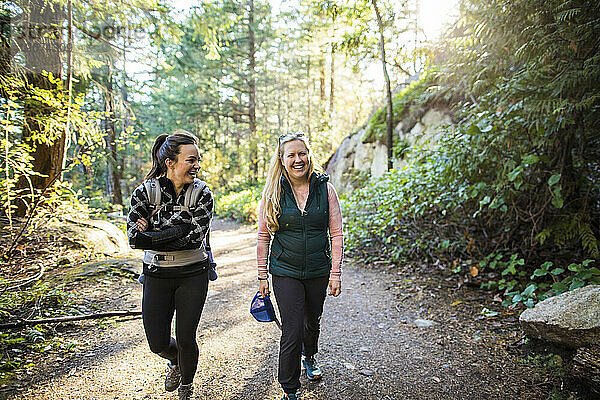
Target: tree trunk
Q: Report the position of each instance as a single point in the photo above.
(388, 90)
(308, 102)
(4, 45)
(126, 114)
(331, 84)
(252, 96)
(322, 99)
(69, 83)
(41, 51)
(111, 139)
(322, 78)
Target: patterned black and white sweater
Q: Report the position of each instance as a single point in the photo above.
(169, 229)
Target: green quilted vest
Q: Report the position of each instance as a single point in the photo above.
(300, 248)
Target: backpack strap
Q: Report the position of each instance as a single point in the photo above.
(193, 193)
(153, 191)
(207, 240)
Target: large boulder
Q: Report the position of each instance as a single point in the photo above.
(97, 236)
(572, 318)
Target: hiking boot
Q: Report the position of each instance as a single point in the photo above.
(290, 396)
(173, 377)
(313, 372)
(185, 391)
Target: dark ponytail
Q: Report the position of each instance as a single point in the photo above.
(168, 146)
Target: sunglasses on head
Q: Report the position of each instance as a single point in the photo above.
(291, 134)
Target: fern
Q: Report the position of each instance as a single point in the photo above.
(589, 240)
(568, 15)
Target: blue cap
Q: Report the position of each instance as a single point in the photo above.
(262, 309)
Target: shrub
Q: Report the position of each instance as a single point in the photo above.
(241, 206)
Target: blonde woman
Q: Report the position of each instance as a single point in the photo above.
(300, 242)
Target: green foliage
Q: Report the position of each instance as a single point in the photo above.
(241, 206)
(410, 99)
(530, 73)
(519, 171)
(399, 214)
(49, 300)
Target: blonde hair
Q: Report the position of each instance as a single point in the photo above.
(272, 192)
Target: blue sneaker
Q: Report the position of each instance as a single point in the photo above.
(313, 372)
(290, 396)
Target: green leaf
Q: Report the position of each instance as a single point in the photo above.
(473, 130)
(488, 313)
(518, 182)
(559, 287)
(529, 159)
(557, 200)
(512, 175)
(554, 179)
(574, 267)
(557, 271)
(509, 270)
(529, 303)
(484, 126)
(584, 275)
(529, 290)
(576, 284)
(539, 272)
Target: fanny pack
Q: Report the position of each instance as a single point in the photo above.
(179, 258)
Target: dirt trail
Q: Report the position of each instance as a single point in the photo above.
(369, 348)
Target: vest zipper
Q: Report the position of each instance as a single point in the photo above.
(305, 247)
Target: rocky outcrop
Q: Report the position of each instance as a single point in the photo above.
(359, 156)
(97, 236)
(571, 319)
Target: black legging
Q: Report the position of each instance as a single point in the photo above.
(300, 305)
(161, 298)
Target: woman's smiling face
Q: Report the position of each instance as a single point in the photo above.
(295, 159)
(186, 167)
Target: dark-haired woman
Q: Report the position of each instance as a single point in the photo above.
(175, 259)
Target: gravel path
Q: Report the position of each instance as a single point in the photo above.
(370, 347)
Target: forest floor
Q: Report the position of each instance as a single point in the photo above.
(393, 333)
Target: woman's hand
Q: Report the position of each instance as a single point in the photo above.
(142, 224)
(335, 288)
(263, 287)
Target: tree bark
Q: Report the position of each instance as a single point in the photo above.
(331, 84)
(69, 83)
(4, 45)
(111, 138)
(252, 95)
(308, 101)
(322, 95)
(388, 90)
(126, 112)
(41, 50)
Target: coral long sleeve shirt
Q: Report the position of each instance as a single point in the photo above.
(335, 233)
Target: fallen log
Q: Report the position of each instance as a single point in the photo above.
(29, 322)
